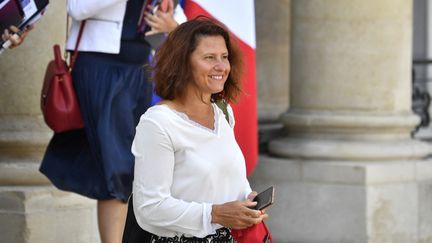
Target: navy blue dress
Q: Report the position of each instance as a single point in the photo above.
(113, 91)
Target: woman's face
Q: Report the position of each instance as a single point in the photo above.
(210, 65)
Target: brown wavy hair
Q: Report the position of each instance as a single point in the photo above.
(172, 69)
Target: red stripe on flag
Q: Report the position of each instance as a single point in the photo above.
(246, 129)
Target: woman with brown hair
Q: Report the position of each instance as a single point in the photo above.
(190, 180)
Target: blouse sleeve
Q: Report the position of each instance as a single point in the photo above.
(83, 9)
(154, 168)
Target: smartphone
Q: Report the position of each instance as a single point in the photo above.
(143, 27)
(264, 198)
(10, 14)
(33, 10)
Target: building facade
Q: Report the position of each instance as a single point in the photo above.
(335, 116)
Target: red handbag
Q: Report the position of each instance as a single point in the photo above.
(258, 233)
(59, 104)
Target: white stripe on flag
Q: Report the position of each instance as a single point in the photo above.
(237, 15)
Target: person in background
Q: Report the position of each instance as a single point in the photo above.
(190, 180)
(113, 91)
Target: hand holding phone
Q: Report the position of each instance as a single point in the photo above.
(264, 198)
(157, 19)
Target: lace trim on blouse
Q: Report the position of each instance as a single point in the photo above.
(185, 117)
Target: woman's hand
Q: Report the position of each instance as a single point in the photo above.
(251, 197)
(12, 35)
(161, 21)
(237, 214)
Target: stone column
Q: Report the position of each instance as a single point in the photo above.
(423, 34)
(347, 169)
(31, 209)
(272, 28)
(272, 32)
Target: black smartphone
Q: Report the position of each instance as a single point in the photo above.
(264, 198)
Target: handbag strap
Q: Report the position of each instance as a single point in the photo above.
(75, 53)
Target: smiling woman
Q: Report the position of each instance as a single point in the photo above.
(174, 70)
(210, 65)
(190, 180)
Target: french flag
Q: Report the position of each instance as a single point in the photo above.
(239, 17)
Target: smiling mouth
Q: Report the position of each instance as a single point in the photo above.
(216, 77)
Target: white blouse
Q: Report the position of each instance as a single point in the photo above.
(182, 169)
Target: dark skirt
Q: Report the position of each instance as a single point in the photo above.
(133, 233)
(222, 235)
(97, 161)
